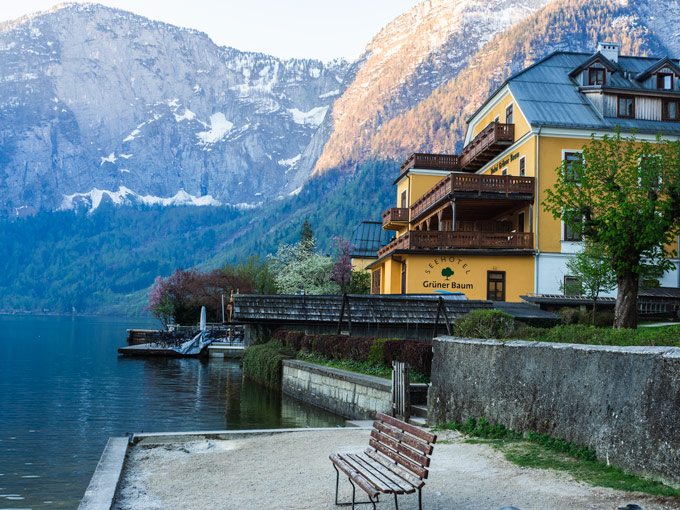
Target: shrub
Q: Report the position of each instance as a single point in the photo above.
(418, 354)
(484, 324)
(263, 363)
(528, 333)
(376, 356)
(570, 316)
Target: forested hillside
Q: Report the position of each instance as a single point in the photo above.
(104, 262)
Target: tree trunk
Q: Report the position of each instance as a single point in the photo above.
(594, 308)
(625, 314)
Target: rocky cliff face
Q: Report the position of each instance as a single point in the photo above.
(100, 104)
(407, 61)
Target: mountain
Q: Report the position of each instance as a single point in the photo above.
(407, 61)
(386, 107)
(100, 104)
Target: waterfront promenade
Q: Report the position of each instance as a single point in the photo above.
(292, 470)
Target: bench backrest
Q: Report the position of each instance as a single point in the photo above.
(407, 446)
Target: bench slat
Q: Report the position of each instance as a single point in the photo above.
(415, 431)
(414, 480)
(400, 448)
(400, 459)
(397, 434)
(401, 486)
(379, 479)
(357, 477)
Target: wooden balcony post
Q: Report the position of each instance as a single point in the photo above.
(531, 218)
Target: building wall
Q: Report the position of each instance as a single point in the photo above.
(551, 151)
(521, 124)
(360, 263)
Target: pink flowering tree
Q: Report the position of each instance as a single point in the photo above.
(161, 304)
(342, 269)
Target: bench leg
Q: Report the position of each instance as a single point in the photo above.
(420, 499)
(337, 483)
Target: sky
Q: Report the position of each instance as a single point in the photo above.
(323, 29)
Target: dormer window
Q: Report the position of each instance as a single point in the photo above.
(626, 107)
(664, 81)
(596, 76)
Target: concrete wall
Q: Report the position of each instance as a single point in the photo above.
(623, 402)
(351, 395)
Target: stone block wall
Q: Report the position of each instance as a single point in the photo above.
(622, 402)
(353, 396)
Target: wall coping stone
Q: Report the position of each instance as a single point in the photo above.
(669, 352)
(343, 375)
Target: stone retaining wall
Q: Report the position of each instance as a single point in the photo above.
(622, 402)
(353, 396)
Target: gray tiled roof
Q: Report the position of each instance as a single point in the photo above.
(547, 95)
(368, 238)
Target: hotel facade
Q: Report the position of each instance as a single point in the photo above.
(473, 222)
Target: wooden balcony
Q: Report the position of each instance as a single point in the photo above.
(443, 240)
(395, 218)
(449, 162)
(508, 186)
(488, 144)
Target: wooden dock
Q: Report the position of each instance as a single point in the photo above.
(154, 350)
(226, 350)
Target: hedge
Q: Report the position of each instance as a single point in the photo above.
(263, 363)
(375, 351)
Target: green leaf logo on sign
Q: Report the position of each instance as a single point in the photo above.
(447, 272)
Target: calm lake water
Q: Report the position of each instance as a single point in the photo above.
(64, 391)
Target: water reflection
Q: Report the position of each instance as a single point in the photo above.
(64, 392)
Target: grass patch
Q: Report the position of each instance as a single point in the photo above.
(358, 367)
(544, 452)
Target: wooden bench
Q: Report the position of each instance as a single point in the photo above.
(395, 462)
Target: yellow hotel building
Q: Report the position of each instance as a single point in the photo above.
(473, 222)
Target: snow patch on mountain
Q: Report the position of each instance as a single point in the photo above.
(187, 115)
(313, 117)
(111, 158)
(125, 196)
(289, 162)
(219, 127)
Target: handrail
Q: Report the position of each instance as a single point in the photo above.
(443, 240)
(453, 183)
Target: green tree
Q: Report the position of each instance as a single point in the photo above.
(624, 194)
(360, 282)
(307, 237)
(297, 269)
(592, 268)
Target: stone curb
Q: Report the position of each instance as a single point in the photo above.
(104, 482)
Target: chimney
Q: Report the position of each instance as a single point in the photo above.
(609, 50)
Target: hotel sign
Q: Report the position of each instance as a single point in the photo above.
(503, 163)
(447, 272)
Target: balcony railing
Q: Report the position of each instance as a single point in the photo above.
(395, 215)
(442, 240)
(450, 162)
(492, 140)
(452, 183)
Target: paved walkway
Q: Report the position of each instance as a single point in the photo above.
(292, 471)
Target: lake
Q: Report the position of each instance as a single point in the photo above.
(64, 391)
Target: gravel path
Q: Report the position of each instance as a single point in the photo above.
(292, 471)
